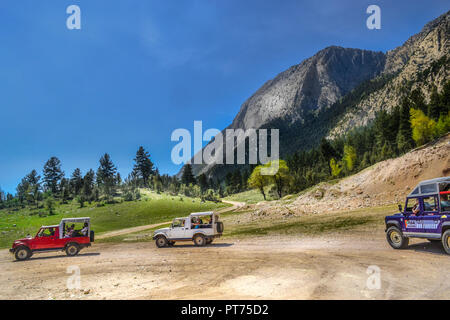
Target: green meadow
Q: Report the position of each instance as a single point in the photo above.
(152, 208)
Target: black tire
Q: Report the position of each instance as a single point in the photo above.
(161, 242)
(72, 249)
(199, 240)
(219, 227)
(22, 253)
(209, 241)
(396, 239)
(445, 241)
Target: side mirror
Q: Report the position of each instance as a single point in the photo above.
(400, 208)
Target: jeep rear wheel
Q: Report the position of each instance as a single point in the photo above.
(161, 242)
(396, 239)
(199, 240)
(72, 249)
(446, 241)
(22, 253)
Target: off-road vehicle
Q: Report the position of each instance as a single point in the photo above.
(60, 237)
(200, 227)
(426, 215)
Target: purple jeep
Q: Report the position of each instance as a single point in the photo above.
(426, 215)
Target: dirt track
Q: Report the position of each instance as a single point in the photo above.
(262, 268)
(235, 206)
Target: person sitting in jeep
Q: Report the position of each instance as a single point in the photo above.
(416, 207)
(84, 231)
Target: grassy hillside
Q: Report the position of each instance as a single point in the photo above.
(152, 208)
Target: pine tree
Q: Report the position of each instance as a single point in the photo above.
(404, 136)
(144, 166)
(417, 100)
(188, 177)
(52, 174)
(203, 182)
(76, 182)
(435, 106)
(88, 185)
(106, 175)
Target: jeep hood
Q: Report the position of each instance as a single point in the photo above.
(162, 230)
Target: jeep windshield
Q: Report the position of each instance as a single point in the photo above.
(178, 223)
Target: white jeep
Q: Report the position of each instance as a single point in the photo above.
(200, 227)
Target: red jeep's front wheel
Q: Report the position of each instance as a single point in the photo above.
(22, 253)
(72, 249)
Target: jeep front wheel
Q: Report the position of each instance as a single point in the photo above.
(446, 241)
(22, 253)
(396, 239)
(199, 240)
(72, 249)
(161, 242)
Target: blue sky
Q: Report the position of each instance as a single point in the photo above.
(139, 69)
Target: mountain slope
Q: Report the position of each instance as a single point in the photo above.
(421, 62)
(339, 89)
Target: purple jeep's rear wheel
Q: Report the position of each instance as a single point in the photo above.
(446, 241)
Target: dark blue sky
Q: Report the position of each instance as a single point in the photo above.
(139, 69)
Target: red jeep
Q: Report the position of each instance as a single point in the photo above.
(60, 237)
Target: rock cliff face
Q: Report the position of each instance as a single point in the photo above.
(310, 86)
(311, 91)
(412, 60)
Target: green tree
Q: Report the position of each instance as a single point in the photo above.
(423, 128)
(404, 136)
(50, 205)
(106, 175)
(143, 166)
(435, 106)
(281, 178)
(52, 174)
(76, 182)
(335, 167)
(188, 177)
(258, 181)
(203, 182)
(88, 185)
(349, 157)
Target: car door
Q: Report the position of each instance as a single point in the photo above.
(178, 230)
(412, 222)
(431, 216)
(42, 241)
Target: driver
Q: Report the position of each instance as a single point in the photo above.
(416, 207)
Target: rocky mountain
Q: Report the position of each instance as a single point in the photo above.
(339, 88)
(421, 62)
(310, 86)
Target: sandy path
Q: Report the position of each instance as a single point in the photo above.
(261, 268)
(235, 205)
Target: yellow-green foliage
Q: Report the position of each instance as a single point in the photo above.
(425, 129)
(336, 168)
(349, 157)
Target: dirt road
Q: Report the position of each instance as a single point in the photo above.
(235, 205)
(262, 268)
